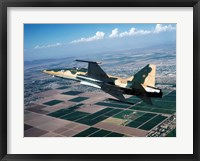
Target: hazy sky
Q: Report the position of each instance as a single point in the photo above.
(43, 41)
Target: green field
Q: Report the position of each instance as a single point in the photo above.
(113, 112)
(100, 133)
(74, 115)
(133, 99)
(139, 121)
(95, 132)
(72, 93)
(155, 121)
(164, 111)
(64, 111)
(172, 133)
(86, 132)
(94, 118)
(53, 102)
(118, 105)
(114, 134)
(78, 99)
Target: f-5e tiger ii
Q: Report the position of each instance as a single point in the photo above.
(142, 84)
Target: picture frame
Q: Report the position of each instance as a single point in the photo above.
(99, 3)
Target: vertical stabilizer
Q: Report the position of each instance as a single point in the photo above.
(143, 79)
(146, 76)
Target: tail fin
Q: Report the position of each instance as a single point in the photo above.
(146, 76)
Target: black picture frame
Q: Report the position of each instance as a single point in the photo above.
(4, 4)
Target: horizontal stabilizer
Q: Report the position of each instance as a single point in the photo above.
(145, 98)
(142, 92)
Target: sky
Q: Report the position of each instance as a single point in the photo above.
(46, 41)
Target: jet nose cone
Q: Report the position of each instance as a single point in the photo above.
(49, 72)
(45, 71)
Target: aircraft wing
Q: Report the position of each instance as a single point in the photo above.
(113, 91)
(95, 71)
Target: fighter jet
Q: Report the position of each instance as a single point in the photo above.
(142, 84)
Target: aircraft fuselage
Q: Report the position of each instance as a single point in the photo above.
(124, 84)
(142, 84)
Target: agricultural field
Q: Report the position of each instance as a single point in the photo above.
(85, 115)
